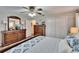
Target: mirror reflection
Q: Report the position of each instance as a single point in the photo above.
(14, 23)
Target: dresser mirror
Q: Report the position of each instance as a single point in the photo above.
(14, 23)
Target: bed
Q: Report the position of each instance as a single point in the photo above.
(41, 44)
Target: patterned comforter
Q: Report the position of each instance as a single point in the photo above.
(37, 45)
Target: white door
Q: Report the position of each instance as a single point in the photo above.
(50, 28)
(61, 27)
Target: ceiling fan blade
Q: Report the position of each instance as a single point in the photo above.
(23, 12)
(40, 14)
(25, 7)
(77, 11)
(40, 9)
(32, 8)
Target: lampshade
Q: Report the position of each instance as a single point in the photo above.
(33, 22)
(73, 30)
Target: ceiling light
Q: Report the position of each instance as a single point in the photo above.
(32, 14)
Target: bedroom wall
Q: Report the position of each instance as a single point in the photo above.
(59, 25)
(28, 28)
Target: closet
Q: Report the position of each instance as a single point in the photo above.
(59, 26)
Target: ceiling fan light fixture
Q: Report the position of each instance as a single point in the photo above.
(32, 14)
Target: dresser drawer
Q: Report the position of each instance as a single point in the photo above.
(13, 36)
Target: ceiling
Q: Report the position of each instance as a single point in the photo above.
(48, 10)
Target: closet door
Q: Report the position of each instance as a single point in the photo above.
(77, 19)
(50, 28)
(61, 27)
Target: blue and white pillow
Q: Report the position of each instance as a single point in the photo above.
(76, 48)
(72, 41)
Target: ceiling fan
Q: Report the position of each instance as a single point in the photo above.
(77, 11)
(33, 11)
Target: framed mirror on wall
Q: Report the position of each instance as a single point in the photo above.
(14, 23)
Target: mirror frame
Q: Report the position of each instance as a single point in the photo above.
(13, 17)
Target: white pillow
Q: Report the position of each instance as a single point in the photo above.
(64, 47)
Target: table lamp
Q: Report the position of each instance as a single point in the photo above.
(73, 30)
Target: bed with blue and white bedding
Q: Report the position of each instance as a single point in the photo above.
(40, 44)
(37, 45)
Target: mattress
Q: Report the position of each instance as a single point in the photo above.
(40, 44)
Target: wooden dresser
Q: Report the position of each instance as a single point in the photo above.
(40, 30)
(13, 36)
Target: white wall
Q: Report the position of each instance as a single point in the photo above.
(59, 25)
(28, 28)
